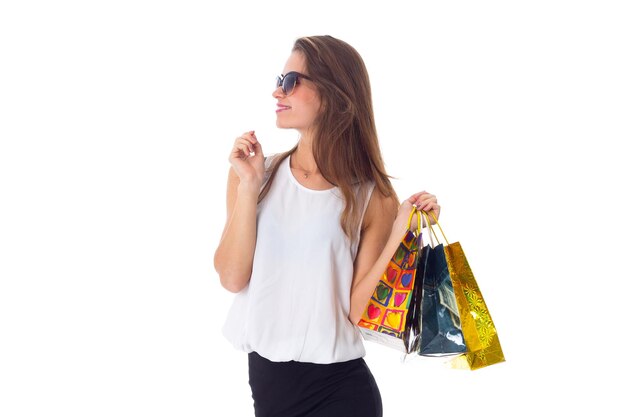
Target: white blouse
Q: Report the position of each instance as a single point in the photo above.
(297, 302)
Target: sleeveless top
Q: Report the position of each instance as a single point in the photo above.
(297, 302)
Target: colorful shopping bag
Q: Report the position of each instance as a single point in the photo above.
(479, 331)
(385, 317)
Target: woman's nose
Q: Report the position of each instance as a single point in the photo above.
(278, 92)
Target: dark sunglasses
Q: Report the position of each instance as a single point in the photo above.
(288, 81)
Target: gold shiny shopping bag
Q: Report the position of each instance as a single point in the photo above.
(481, 337)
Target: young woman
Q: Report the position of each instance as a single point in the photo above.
(308, 234)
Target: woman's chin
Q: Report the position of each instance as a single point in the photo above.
(281, 124)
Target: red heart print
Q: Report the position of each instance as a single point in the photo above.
(373, 311)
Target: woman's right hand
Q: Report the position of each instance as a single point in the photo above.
(247, 160)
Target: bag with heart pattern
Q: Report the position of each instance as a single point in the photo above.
(386, 319)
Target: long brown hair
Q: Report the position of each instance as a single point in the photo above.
(345, 146)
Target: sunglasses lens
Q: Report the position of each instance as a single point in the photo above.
(289, 83)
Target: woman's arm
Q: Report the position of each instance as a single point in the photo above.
(235, 252)
(384, 227)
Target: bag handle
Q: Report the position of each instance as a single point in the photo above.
(427, 214)
(419, 220)
(431, 235)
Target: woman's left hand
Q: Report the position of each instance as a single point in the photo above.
(426, 202)
(423, 201)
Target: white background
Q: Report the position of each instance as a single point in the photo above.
(116, 119)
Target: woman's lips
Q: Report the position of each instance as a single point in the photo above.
(281, 107)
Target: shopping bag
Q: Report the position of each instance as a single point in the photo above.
(479, 331)
(414, 310)
(440, 332)
(385, 318)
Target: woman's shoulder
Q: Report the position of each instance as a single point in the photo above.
(379, 203)
(269, 159)
(272, 161)
(271, 164)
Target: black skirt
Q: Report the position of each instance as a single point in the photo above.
(299, 389)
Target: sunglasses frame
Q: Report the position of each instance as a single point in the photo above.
(281, 79)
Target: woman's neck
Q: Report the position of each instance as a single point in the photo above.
(303, 158)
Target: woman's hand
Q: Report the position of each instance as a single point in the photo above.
(247, 160)
(423, 201)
